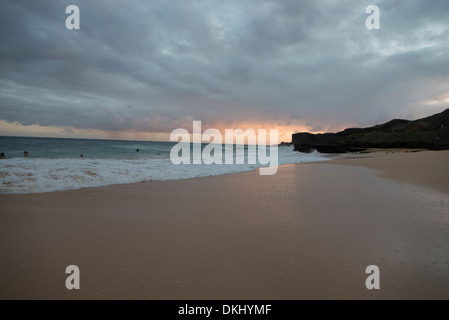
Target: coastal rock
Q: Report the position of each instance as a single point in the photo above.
(428, 133)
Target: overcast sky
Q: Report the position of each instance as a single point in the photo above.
(138, 69)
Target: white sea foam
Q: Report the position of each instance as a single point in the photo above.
(46, 175)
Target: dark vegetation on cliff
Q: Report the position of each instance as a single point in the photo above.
(428, 133)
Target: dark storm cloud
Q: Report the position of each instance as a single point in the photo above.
(220, 61)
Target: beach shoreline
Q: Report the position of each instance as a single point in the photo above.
(390, 164)
(307, 232)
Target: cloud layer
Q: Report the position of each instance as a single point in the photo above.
(154, 66)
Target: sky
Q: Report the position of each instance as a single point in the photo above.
(138, 69)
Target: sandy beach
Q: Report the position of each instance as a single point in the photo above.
(307, 232)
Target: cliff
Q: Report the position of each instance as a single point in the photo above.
(428, 133)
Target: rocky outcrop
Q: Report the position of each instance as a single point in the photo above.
(428, 133)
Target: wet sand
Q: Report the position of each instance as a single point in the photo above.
(307, 232)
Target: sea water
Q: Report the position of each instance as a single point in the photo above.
(56, 165)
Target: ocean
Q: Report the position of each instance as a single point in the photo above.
(56, 165)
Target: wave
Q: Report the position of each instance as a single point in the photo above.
(48, 175)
